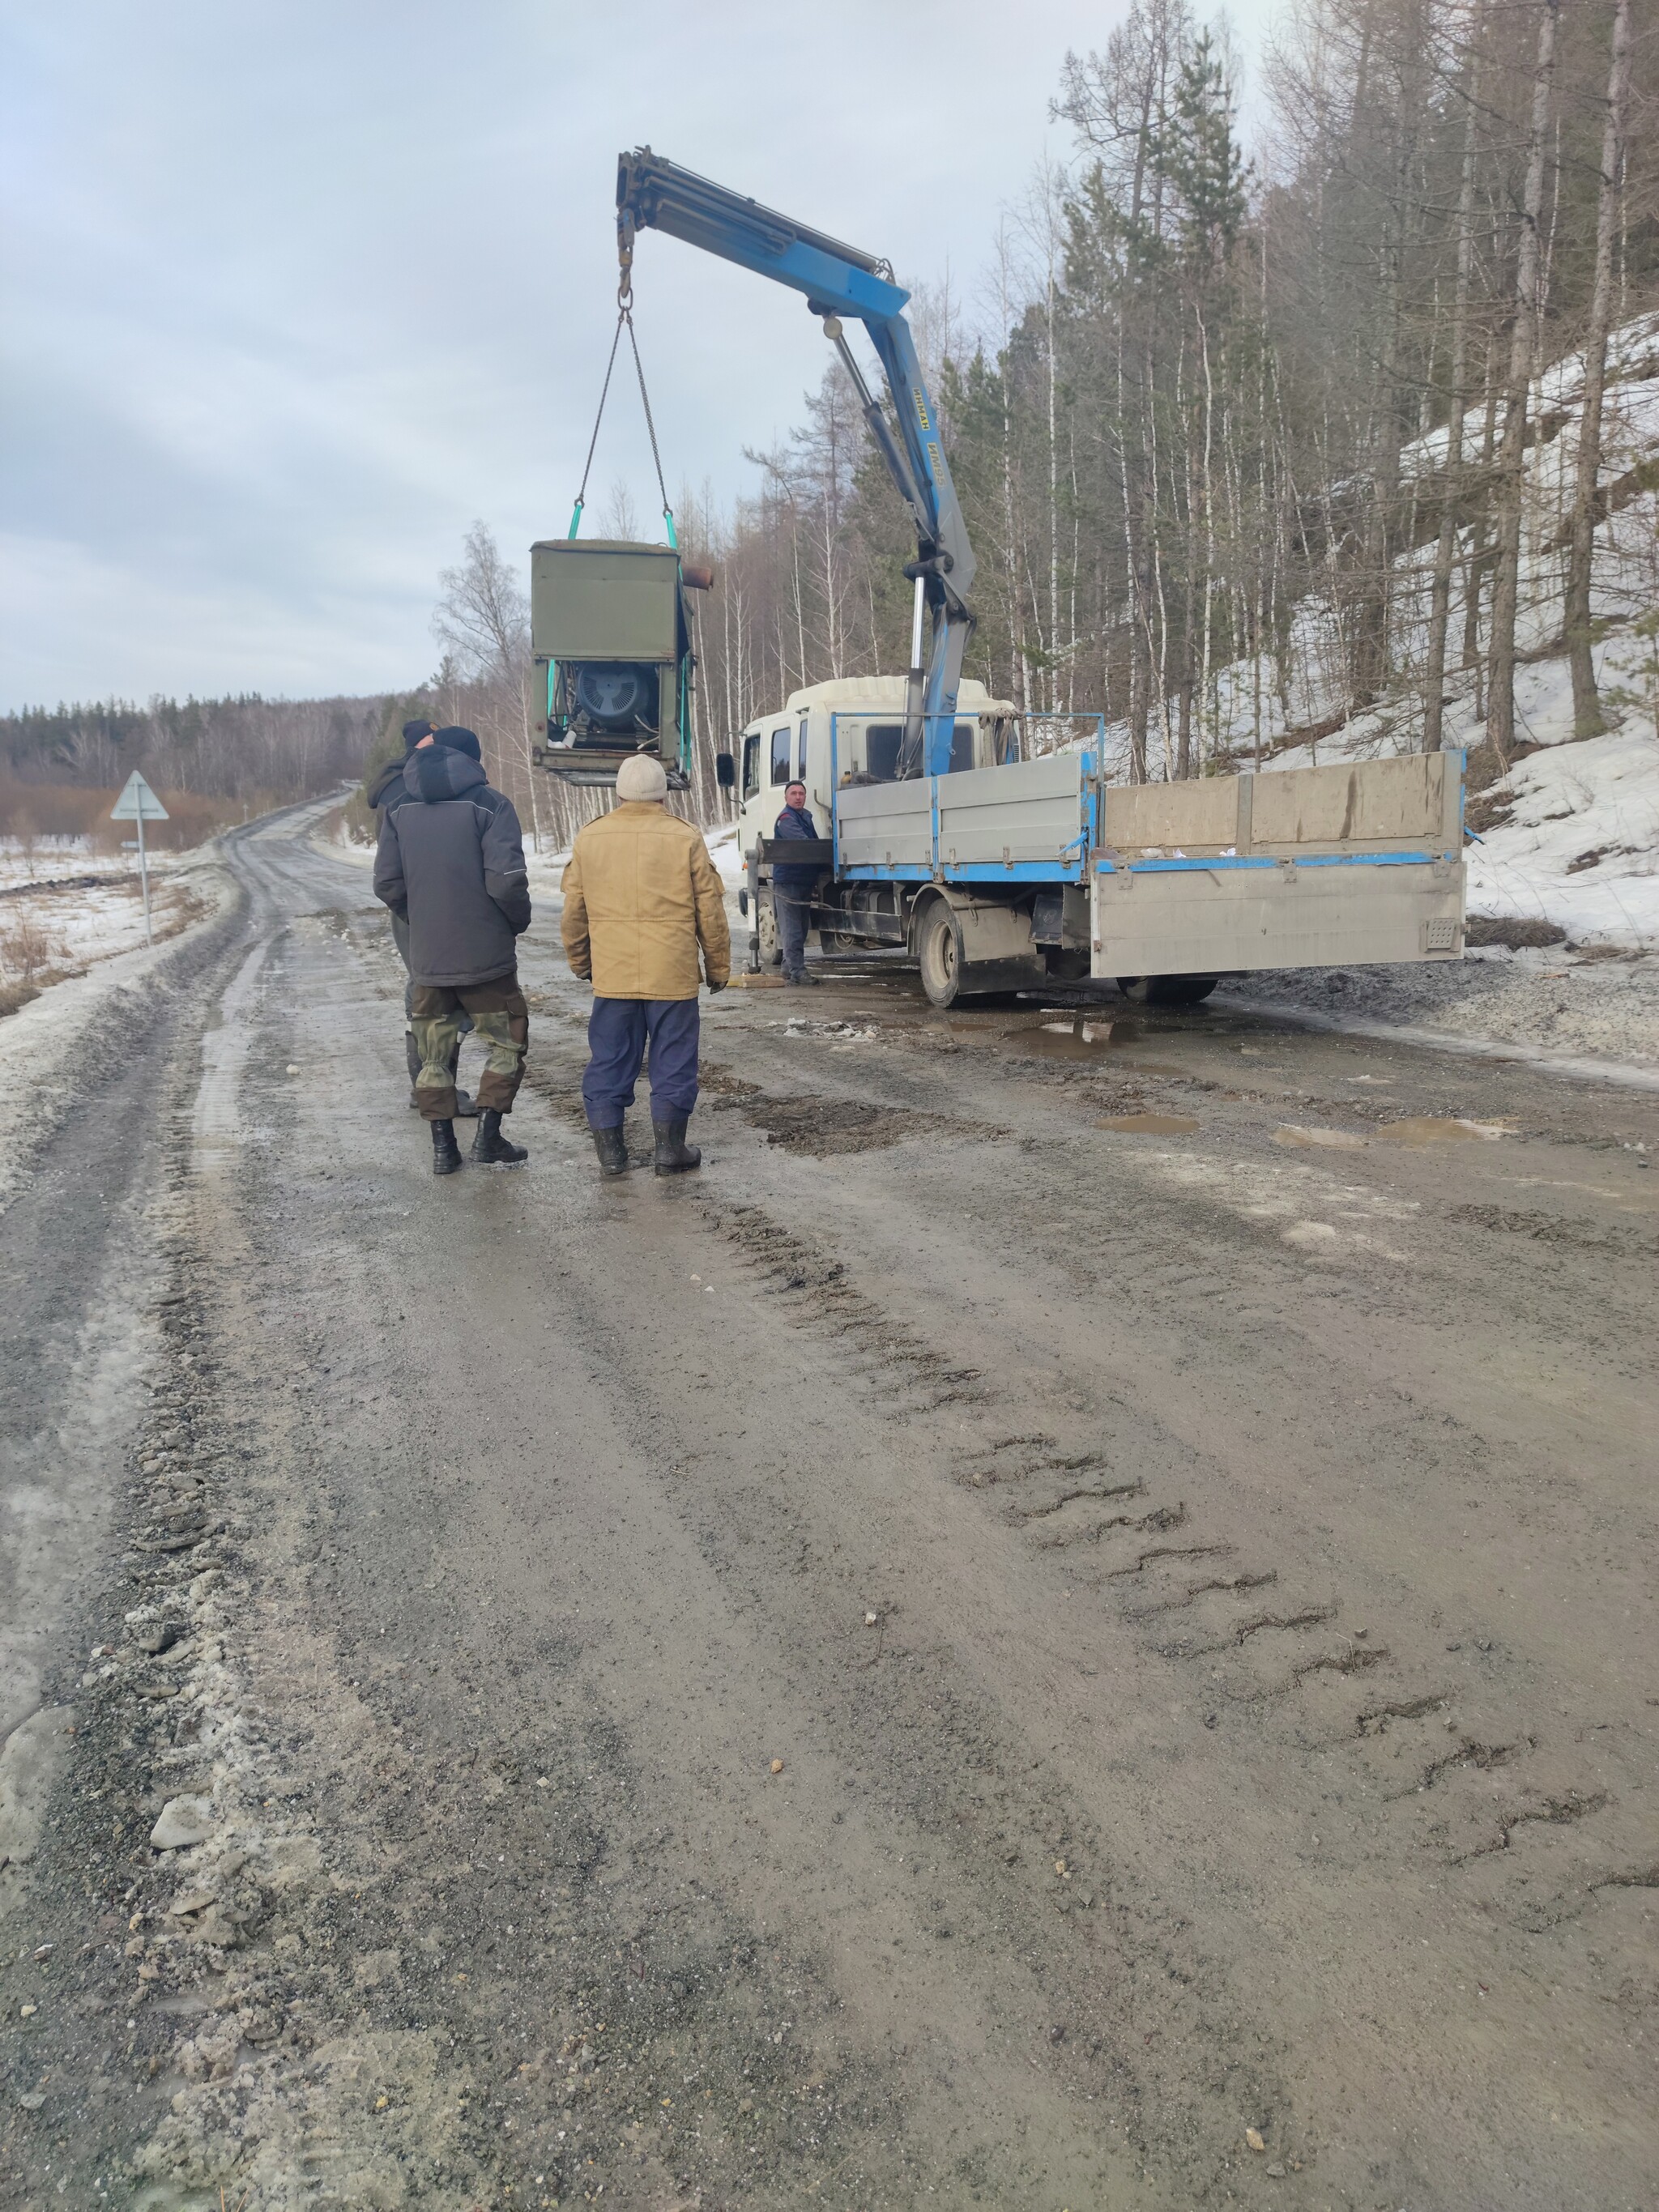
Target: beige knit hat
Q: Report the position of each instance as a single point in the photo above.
(642, 777)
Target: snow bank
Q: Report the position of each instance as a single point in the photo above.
(1581, 846)
(61, 1043)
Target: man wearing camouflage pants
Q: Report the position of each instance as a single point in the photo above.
(450, 860)
(388, 789)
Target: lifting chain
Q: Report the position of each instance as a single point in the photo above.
(624, 321)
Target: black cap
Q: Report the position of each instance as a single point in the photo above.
(457, 740)
(414, 732)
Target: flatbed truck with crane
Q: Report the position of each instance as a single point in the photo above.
(950, 838)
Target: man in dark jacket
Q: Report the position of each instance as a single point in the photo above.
(792, 888)
(451, 861)
(386, 789)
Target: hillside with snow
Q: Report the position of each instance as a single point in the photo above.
(1564, 848)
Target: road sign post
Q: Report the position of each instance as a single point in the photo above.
(139, 804)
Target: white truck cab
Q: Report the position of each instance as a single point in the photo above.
(848, 731)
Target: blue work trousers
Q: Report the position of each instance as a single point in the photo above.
(618, 1030)
(793, 908)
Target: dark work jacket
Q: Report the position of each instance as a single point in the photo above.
(451, 858)
(388, 786)
(388, 789)
(795, 822)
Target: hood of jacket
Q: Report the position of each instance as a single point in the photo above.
(434, 774)
(386, 781)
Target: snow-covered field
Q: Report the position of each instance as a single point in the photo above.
(65, 908)
(51, 1048)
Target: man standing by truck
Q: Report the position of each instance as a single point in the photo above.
(640, 896)
(792, 888)
(451, 861)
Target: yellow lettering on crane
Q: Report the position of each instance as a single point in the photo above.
(920, 398)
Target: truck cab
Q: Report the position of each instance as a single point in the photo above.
(846, 734)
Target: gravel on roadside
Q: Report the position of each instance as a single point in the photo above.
(1550, 998)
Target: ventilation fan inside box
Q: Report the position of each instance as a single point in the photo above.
(612, 699)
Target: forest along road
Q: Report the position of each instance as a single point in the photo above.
(1068, 1623)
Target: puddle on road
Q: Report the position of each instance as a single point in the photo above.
(1318, 1140)
(1149, 1124)
(1439, 1129)
(1070, 1035)
(1085, 1037)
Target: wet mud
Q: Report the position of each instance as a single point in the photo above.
(943, 1659)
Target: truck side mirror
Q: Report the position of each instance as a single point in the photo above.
(725, 771)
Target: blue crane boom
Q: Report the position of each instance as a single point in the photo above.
(841, 281)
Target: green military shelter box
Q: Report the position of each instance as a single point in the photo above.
(609, 636)
(602, 598)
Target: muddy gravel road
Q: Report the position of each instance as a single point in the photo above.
(1068, 1624)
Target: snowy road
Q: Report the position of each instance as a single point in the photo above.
(1195, 1574)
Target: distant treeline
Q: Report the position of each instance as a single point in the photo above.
(240, 750)
(214, 762)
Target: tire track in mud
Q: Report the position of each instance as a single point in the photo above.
(822, 1298)
(1068, 1501)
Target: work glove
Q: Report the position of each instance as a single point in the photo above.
(716, 987)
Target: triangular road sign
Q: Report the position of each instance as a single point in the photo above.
(137, 802)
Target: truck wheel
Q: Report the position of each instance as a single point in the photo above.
(940, 949)
(1167, 990)
(766, 928)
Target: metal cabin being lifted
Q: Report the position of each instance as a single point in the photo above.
(612, 647)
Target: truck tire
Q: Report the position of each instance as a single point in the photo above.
(1167, 990)
(938, 950)
(765, 931)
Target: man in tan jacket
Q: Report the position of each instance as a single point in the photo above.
(640, 895)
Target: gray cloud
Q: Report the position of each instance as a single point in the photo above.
(294, 291)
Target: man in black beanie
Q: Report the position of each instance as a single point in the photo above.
(387, 790)
(451, 861)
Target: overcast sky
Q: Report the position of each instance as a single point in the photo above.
(294, 289)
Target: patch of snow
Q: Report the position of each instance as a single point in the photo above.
(1572, 802)
(58, 1044)
(74, 923)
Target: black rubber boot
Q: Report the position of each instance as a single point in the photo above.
(674, 1155)
(445, 1153)
(612, 1151)
(492, 1150)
